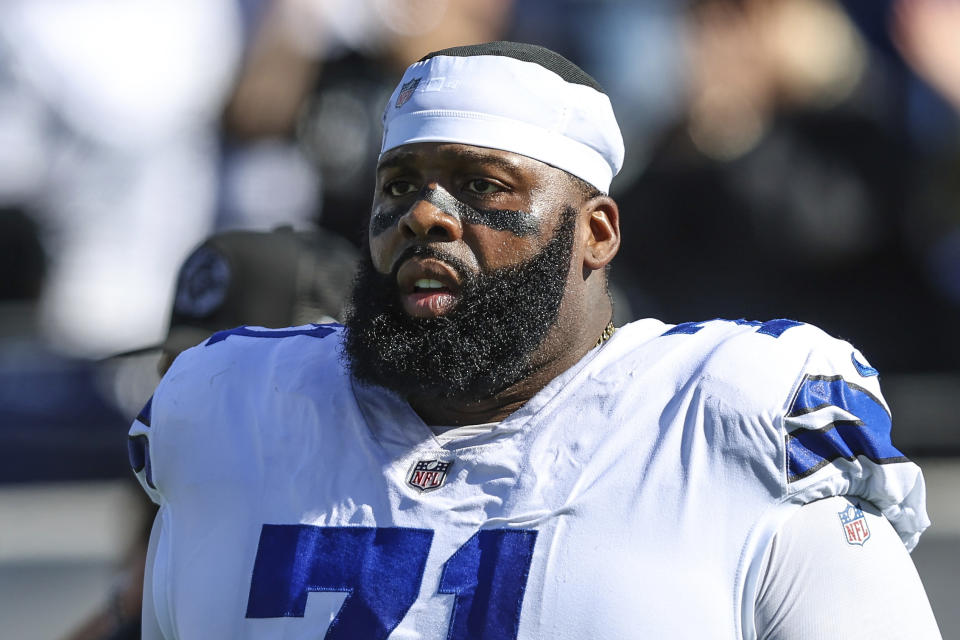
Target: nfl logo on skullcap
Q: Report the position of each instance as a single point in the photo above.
(406, 91)
(428, 475)
(854, 525)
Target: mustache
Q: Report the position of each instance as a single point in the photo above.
(431, 251)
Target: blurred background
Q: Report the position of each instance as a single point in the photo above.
(785, 158)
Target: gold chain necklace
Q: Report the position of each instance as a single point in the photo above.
(606, 334)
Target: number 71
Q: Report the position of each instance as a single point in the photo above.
(381, 569)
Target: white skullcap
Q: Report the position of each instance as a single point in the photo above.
(541, 106)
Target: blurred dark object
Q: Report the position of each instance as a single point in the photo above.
(272, 279)
(23, 262)
(808, 225)
(339, 130)
(925, 418)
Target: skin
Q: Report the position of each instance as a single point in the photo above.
(415, 203)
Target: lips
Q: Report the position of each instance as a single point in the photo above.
(428, 287)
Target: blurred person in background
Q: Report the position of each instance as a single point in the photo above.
(100, 146)
(316, 76)
(926, 32)
(269, 279)
(633, 49)
(108, 124)
(789, 187)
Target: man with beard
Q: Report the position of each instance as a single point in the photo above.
(479, 455)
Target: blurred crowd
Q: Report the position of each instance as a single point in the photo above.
(785, 158)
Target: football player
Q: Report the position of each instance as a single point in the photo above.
(479, 453)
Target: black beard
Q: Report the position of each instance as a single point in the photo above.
(482, 346)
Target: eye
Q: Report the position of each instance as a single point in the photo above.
(482, 187)
(399, 188)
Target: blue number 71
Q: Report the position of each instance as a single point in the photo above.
(381, 569)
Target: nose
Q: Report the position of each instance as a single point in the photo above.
(424, 220)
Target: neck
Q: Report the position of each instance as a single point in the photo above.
(563, 347)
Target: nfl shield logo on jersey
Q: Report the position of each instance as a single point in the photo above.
(428, 475)
(854, 525)
(405, 92)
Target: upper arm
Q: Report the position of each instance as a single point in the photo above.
(817, 583)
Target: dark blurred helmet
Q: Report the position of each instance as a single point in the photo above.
(269, 279)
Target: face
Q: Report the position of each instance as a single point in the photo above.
(470, 253)
(489, 209)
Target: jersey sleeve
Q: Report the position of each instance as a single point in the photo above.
(837, 568)
(837, 438)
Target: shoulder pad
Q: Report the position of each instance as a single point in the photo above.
(825, 406)
(211, 384)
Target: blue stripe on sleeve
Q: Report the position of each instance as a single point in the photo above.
(316, 331)
(817, 392)
(773, 328)
(688, 328)
(868, 435)
(144, 415)
(138, 450)
(776, 327)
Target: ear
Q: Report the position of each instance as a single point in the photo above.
(602, 223)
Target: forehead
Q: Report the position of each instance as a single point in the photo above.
(423, 155)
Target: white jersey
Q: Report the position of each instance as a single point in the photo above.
(635, 496)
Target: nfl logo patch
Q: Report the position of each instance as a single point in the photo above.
(428, 475)
(405, 92)
(854, 525)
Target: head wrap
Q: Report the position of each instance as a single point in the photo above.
(515, 97)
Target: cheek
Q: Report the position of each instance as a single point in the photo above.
(385, 218)
(499, 249)
(380, 248)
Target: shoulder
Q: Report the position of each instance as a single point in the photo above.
(245, 351)
(246, 365)
(213, 392)
(745, 372)
(762, 362)
(750, 346)
(808, 404)
(751, 365)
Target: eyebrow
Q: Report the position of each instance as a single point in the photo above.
(404, 158)
(395, 161)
